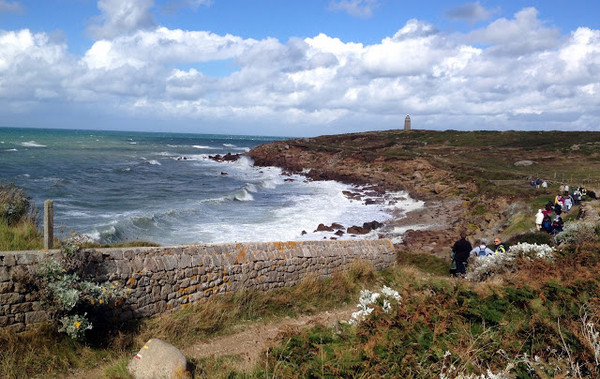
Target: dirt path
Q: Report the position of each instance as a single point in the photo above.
(253, 339)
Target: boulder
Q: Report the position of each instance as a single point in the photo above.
(357, 230)
(324, 228)
(225, 158)
(523, 163)
(372, 225)
(157, 360)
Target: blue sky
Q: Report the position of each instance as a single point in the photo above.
(299, 68)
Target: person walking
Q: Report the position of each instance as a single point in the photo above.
(539, 217)
(460, 253)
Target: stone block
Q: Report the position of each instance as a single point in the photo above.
(26, 258)
(149, 264)
(21, 307)
(8, 260)
(35, 317)
(4, 275)
(6, 287)
(11, 298)
(185, 261)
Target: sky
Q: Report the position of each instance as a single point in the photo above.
(299, 67)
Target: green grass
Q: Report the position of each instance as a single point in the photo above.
(22, 236)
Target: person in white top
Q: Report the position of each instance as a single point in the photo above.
(482, 250)
(539, 217)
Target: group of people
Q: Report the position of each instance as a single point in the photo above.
(536, 183)
(563, 202)
(462, 250)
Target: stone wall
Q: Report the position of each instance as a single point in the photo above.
(158, 279)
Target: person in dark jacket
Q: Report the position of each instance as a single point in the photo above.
(460, 253)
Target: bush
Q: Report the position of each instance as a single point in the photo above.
(578, 232)
(68, 297)
(481, 268)
(15, 205)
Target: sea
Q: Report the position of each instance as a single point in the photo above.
(117, 186)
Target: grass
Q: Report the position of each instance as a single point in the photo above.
(531, 322)
(23, 235)
(43, 352)
(18, 230)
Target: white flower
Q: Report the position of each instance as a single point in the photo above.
(390, 293)
(367, 298)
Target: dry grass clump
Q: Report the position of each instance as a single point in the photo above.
(43, 352)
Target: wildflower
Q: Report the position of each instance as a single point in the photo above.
(388, 292)
(77, 324)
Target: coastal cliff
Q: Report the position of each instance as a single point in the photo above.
(474, 180)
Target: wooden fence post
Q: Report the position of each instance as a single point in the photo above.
(48, 224)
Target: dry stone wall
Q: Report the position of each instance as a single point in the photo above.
(159, 279)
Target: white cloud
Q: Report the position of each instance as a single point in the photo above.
(358, 8)
(121, 17)
(513, 73)
(31, 65)
(524, 34)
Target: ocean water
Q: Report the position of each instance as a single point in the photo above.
(162, 187)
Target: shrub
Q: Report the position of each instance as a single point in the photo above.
(68, 297)
(578, 232)
(484, 267)
(15, 205)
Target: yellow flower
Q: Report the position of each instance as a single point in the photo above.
(77, 324)
(101, 301)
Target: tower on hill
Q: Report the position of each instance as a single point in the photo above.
(407, 123)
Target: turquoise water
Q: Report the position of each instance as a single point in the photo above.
(162, 187)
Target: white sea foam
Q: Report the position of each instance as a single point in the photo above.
(154, 162)
(250, 187)
(243, 195)
(202, 147)
(11, 150)
(32, 144)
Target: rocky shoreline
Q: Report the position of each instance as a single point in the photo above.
(431, 228)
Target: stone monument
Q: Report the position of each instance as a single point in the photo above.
(407, 123)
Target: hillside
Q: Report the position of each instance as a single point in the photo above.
(475, 180)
